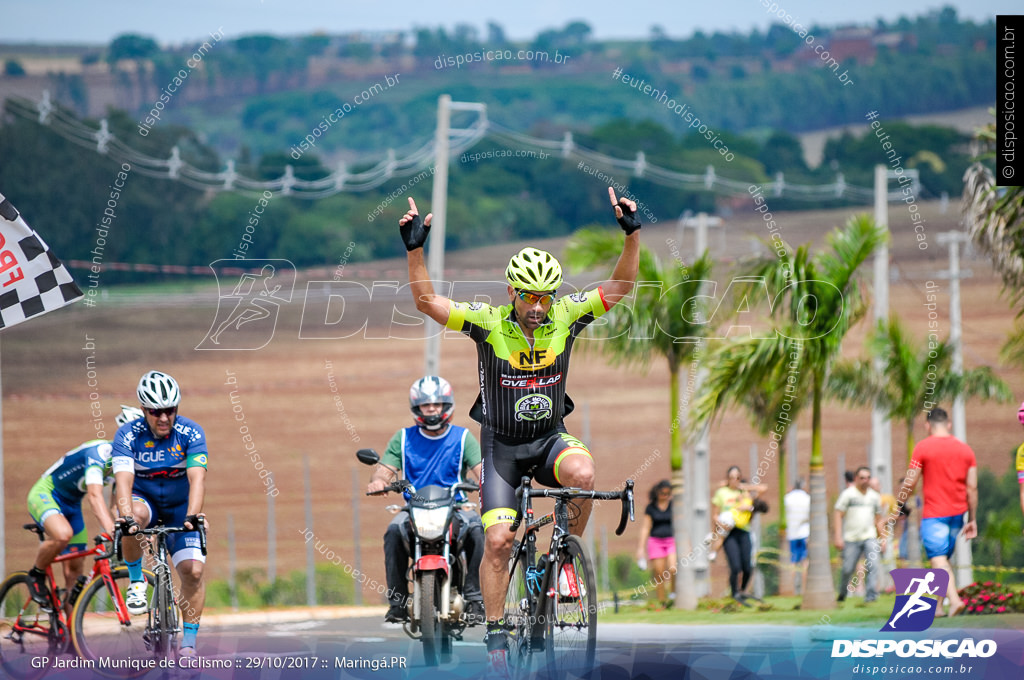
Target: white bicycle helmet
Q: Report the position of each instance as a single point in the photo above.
(431, 389)
(127, 415)
(158, 390)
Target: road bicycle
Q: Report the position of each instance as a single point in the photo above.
(551, 605)
(103, 631)
(31, 636)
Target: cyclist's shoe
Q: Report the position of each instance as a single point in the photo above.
(397, 613)
(496, 641)
(474, 614)
(497, 665)
(188, 652)
(135, 598)
(37, 587)
(570, 587)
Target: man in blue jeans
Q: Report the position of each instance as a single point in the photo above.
(858, 523)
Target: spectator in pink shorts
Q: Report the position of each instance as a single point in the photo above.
(657, 546)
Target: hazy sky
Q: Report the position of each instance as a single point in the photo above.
(98, 21)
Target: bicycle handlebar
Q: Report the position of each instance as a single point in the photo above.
(526, 491)
(160, 529)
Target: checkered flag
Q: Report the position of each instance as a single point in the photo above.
(32, 280)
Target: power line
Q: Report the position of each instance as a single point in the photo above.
(420, 158)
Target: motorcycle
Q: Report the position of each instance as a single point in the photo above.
(438, 571)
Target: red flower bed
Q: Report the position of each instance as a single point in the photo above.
(991, 598)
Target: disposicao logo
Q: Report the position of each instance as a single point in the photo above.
(913, 612)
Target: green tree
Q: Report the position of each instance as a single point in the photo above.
(13, 68)
(131, 46)
(1001, 531)
(818, 300)
(666, 320)
(912, 376)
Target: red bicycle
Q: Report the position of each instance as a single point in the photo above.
(31, 636)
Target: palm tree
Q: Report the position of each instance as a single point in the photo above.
(665, 320)
(914, 377)
(818, 300)
(995, 221)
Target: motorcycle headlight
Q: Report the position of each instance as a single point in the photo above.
(430, 522)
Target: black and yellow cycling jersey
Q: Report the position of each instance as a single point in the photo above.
(522, 385)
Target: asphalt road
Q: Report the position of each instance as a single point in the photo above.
(251, 647)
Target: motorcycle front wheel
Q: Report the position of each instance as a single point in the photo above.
(431, 629)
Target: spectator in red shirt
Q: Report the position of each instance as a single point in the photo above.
(950, 487)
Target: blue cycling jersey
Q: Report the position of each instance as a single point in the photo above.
(160, 464)
(90, 463)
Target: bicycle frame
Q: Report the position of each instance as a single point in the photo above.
(100, 567)
(544, 584)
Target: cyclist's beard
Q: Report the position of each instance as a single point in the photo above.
(531, 320)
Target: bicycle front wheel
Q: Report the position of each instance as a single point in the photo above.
(163, 617)
(517, 616)
(24, 630)
(103, 631)
(572, 613)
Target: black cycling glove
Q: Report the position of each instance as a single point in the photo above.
(194, 520)
(414, 233)
(628, 221)
(127, 524)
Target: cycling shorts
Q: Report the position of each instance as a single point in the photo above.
(182, 546)
(506, 462)
(44, 502)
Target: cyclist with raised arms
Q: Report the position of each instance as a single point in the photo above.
(523, 352)
(55, 504)
(160, 470)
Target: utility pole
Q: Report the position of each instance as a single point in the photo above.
(881, 427)
(953, 239)
(696, 464)
(962, 555)
(438, 223)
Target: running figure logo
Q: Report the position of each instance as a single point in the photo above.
(914, 610)
(254, 302)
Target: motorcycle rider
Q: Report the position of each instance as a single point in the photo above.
(432, 451)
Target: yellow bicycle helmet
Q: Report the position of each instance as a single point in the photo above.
(532, 269)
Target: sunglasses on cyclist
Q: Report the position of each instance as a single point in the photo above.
(157, 412)
(533, 298)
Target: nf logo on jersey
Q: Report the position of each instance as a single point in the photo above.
(914, 610)
(532, 359)
(533, 407)
(247, 315)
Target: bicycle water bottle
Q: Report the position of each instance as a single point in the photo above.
(76, 590)
(532, 580)
(542, 565)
